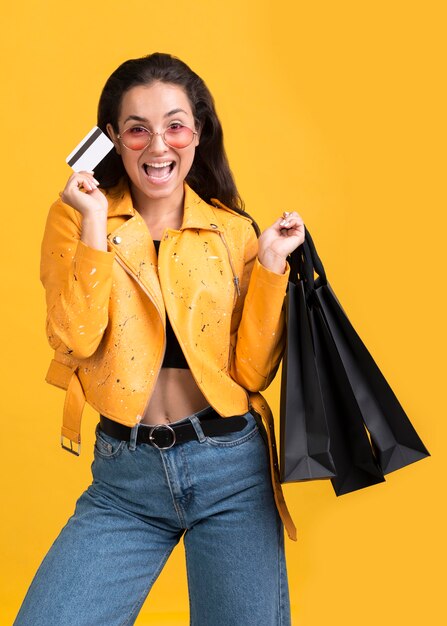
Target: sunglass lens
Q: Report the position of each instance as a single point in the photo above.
(179, 136)
(136, 138)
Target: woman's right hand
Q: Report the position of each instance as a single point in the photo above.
(81, 192)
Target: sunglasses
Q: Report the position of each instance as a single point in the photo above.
(139, 137)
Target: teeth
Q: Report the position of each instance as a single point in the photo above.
(165, 164)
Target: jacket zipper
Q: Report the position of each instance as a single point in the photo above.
(127, 270)
(237, 288)
(235, 276)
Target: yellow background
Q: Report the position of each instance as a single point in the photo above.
(334, 109)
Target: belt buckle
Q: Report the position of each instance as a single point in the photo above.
(70, 449)
(157, 427)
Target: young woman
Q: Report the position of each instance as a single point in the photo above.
(165, 312)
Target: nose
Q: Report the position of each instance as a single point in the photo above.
(157, 144)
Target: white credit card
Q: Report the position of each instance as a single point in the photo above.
(90, 151)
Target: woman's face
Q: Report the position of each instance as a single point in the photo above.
(156, 172)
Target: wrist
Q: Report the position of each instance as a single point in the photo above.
(273, 262)
(94, 230)
(94, 215)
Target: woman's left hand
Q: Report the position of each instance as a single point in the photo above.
(279, 240)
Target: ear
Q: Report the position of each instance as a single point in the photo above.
(113, 137)
(197, 140)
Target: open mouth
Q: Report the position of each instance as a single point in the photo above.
(159, 171)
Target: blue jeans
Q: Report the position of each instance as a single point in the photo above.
(215, 492)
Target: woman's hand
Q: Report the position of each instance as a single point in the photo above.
(279, 240)
(81, 192)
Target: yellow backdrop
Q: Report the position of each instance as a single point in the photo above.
(334, 109)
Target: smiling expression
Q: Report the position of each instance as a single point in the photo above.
(158, 171)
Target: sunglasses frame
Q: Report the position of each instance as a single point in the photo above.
(151, 136)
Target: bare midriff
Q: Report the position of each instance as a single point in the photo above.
(176, 395)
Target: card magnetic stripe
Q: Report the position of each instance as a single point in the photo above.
(85, 147)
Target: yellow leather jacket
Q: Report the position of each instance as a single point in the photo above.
(106, 313)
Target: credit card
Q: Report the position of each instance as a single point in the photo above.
(90, 151)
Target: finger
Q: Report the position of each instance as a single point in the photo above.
(290, 214)
(293, 229)
(285, 217)
(292, 220)
(85, 181)
(90, 176)
(293, 232)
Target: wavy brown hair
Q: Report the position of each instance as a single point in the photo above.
(210, 175)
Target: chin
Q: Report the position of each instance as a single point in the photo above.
(156, 192)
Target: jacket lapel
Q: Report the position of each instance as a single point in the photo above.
(130, 239)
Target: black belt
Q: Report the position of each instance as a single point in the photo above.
(165, 436)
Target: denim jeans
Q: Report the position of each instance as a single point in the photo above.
(215, 492)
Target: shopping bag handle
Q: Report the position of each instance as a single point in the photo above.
(304, 262)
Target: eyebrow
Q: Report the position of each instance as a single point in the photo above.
(137, 118)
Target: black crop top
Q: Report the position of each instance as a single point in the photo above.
(174, 356)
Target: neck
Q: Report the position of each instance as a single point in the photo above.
(159, 213)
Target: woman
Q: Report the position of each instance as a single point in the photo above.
(165, 314)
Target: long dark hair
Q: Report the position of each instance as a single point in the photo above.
(210, 175)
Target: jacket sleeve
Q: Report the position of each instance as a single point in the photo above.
(77, 281)
(258, 322)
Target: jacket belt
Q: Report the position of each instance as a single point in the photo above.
(260, 406)
(72, 416)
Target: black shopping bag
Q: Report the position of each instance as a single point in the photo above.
(304, 434)
(321, 430)
(369, 432)
(395, 440)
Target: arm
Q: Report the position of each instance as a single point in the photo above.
(257, 325)
(257, 328)
(76, 272)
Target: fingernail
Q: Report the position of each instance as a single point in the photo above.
(96, 181)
